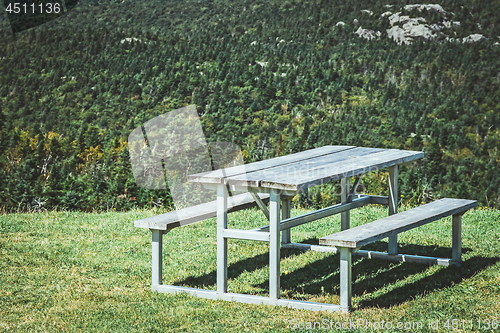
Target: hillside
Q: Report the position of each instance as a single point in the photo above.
(276, 77)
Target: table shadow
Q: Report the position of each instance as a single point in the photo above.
(440, 280)
(235, 269)
(369, 275)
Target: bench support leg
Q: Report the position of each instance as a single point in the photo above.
(456, 252)
(345, 278)
(344, 194)
(393, 245)
(393, 206)
(285, 213)
(274, 245)
(156, 262)
(221, 240)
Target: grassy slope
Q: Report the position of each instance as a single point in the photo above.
(67, 271)
(452, 115)
(458, 128)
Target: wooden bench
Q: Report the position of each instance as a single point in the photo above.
(161, 224)
(348, 241)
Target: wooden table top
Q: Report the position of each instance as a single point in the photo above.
(312, 167)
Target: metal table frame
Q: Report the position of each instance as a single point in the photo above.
(279, 203)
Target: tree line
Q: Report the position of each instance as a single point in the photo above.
(273, 77)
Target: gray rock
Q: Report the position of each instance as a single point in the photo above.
(398, 35)
(436, 8)
(395, 18)
(418, 31)
(367, 33)
(474, 38)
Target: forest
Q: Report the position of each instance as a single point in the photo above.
(274, 77)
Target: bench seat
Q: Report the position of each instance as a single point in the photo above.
(397, 223)
(201, 212)
(348, 241)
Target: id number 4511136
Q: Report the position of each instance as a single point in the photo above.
(485, 324)
(43, 8)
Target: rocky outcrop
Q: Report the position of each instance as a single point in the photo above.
(395, 18)
(367, 33)
(405, 28)
(436, 8)
(411, 28)
(474, 38)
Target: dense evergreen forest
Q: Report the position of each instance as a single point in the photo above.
(275, 77)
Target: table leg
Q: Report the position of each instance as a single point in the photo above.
(156, 262)
(221, 241)
(456, 247)
(345, 217)
(274, 245)
(393, 205)
(285, 213)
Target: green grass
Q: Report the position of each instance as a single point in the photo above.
(67, 271)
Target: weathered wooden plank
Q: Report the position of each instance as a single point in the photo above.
(341, 169)
(397, 223)
(290, 172)
(217, 176)
(320, 170)
(197, 213)
(284, 193)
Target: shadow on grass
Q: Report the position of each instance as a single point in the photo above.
(442, 279)
(236, 269)
(322, 276)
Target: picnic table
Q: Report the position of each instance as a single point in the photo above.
(278, 180)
